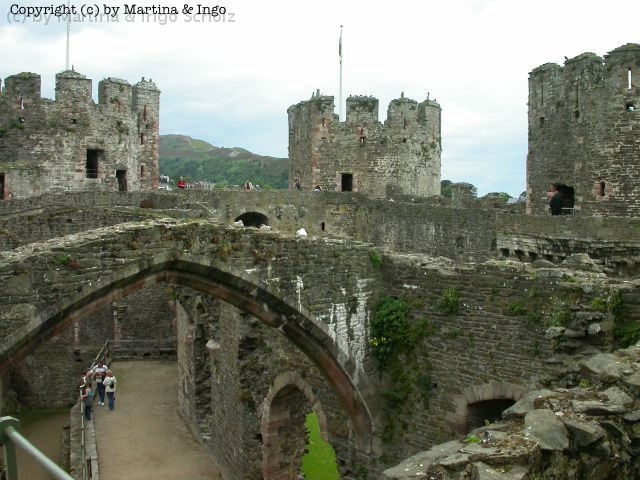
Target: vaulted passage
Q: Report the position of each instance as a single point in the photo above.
(253, 219)
(301, 331)
(487, 411)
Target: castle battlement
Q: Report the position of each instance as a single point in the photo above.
(73, 143)
(399, 156)
(583, 133)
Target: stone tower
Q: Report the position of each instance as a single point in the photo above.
(73, 144)
(584, 133)
(401, 156)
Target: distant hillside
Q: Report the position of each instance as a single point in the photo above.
(195, 160)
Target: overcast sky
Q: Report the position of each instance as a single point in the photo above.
(230, 81)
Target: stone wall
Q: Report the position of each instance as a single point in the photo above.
(583, 132)
(74, 144)
(361, 154)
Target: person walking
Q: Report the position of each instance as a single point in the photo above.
(100, 371)
(110, 387)
(87, 398)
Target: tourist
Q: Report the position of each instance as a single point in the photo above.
(87, 398)
(110, 387)
(298, 185)
(555, 200)
(247, 185)
(317, 188)
(100, 371)
(181, 183)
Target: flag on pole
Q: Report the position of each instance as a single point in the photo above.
(340, 44)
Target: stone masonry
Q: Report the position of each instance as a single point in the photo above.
(74, 144)
(401, 156)
(583, 133)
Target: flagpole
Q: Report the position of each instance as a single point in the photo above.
(68, 30)
(340, 90)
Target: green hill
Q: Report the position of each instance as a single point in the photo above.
(197, 160)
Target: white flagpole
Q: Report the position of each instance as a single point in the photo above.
(340, 91)
(68, 30)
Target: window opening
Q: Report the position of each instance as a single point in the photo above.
(629, 79)
(3, 186)
(322, 226)
(347, 182)
(141, 171)
(144, 113)
(143, 139)
(93, 161)
(541, 122)
(121, 175)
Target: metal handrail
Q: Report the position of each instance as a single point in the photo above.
(10, 437)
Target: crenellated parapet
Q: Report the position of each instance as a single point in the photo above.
(72, 143)
(399, 156)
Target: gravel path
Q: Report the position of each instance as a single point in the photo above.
(145, 438)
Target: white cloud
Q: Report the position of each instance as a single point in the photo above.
(230, 82)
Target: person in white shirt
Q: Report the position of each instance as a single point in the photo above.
(100, 371)
(109, 383)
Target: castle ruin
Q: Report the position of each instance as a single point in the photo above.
(73, 144)
(583, 133)
(381, 160)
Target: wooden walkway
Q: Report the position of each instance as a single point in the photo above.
(145, 438)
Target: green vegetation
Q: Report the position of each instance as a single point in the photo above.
(517, 308)
(376, 258)
(449, 302)
(445, 188)
(197, 160)
(320, 462)
(394, 340)
(63, 259)
(472, 439)
(557, 313)
(584, 383)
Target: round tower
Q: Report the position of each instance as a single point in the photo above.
(146, 104)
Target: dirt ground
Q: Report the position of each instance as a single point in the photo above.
(145, 438)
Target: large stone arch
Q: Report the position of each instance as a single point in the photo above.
(309, 335)
(277, 420)
(474, 394)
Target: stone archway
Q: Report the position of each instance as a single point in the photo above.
(476, 399)
(309, 335)
(283, 426)
(253, 219)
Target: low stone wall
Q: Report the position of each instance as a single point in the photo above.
(589, 432)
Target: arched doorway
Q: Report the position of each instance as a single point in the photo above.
(253, 219)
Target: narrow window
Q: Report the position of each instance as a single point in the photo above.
(322, 226)
(3, 187)
(324, 122)
(21, 103)
(74, 121)
(541, 122)
(143, 139)
(93, 160)
(629, 79)
(141, 171)
(602, 188)
(629, 107)
(362, 139)
(121, 175)
(324, 139)
(404, 123)
(576, 114)
(347, 182)
(21, 119)
(144, 113)
(404, 140)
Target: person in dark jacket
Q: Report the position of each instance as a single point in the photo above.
(555, 200)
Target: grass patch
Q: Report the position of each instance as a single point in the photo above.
(320, 462)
